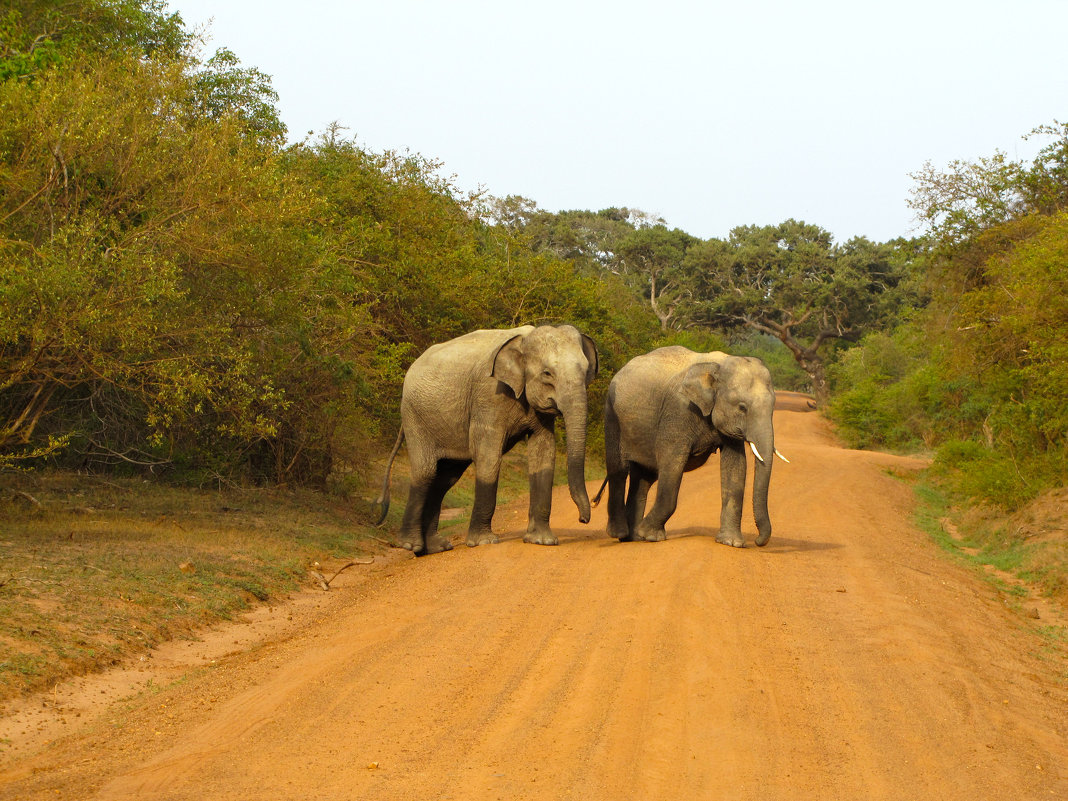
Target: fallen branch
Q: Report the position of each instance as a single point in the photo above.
(324, 582)
(29, 497)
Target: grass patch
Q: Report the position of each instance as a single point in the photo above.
(92, 571)
(1031, 545)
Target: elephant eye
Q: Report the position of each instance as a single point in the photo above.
(743, 408)
(547, 375)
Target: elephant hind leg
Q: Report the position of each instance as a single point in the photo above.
(419, 529)
(448, 473)
(641, 479)
(618, 526)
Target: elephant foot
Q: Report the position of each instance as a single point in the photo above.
(648, 533)
(620, 531)
(541, 536)
(735, 540)
(415, 546)
(437, 545)
(484, 538)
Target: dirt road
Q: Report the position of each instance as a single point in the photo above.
(845, 660)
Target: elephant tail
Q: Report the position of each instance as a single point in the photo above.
(597, 498)
(383, 499)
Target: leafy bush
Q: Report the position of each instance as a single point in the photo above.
(886, 394)
(976, 471)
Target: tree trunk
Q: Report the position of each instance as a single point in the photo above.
(663, 315)
(813, 366)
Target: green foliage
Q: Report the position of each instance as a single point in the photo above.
(182, 293)
(982, 374)
(36, 35)
(976, 471)
(1006, 349)
(655, 257)
(147, 262)
(222, 89)
(701, 340)
(886, 395)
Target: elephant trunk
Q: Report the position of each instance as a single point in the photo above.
(574, 415)
(765, 444)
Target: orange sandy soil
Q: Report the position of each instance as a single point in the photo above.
(848, 660)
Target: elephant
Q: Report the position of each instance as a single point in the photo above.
(470, 400)
(666, 412)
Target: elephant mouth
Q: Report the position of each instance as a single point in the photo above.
(548, 407)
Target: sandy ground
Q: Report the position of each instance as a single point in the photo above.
(848, 659)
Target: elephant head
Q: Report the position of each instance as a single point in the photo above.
(551, 367)
(736, 395)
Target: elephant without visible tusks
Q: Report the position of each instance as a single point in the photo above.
(666, 412)
(470, 400)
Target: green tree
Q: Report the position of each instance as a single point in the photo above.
(792, 282)
(37, 34)
(146, 251)
(654, 260)
(968, 197)
(223, 88)
(180, 291)
(588, 239)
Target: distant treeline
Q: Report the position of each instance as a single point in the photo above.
(185, 294)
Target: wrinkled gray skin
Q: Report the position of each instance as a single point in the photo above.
(470, 400)
(665, 414)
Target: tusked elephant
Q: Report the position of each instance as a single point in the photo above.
(666, 412)
(470, 400)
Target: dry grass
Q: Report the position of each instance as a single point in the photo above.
(1030, 545)
(92, 570)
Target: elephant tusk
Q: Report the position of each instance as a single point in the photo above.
(781, 456)
(756, 453)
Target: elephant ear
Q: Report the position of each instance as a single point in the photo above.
(508, 365)
(589, 349)
(698, 386)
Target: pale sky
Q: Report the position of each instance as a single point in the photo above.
(710, 114)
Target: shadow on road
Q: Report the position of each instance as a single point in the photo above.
(575, 536)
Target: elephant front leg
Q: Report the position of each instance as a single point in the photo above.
(732, 471)
(541, 465)
(618, 524)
